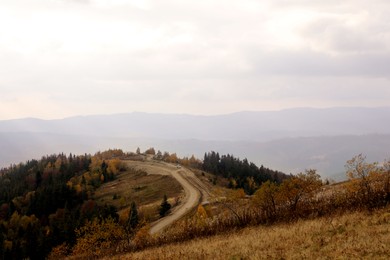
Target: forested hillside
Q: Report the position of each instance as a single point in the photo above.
(241, 173)
(43, 202)
(48, 204)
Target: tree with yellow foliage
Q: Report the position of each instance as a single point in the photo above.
(298, 188)
(142, 238)
(386, 179)
(267, 198)
(96, 236)
(150, 151)
(365, 180)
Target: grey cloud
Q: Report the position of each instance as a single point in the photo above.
(338, 36)
(310, 63)
(213, 54)
(76, 1)
(328, 5)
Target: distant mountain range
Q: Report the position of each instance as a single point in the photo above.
(288, 140)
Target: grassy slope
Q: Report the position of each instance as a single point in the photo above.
(351, 236)
(146, 190)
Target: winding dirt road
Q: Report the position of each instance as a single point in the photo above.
(194, 190)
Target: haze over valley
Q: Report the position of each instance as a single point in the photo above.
(288, 140)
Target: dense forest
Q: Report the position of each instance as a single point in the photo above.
(241, 173)
(43, 202)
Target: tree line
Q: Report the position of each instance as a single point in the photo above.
(240, 173)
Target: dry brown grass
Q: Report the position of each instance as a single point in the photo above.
(350, 236)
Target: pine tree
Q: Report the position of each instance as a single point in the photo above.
(133, 220)
(38, 179)
(165, 206)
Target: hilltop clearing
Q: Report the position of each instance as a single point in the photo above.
(142, 185)
(194, 190)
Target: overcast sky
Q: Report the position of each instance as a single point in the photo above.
(60, 58)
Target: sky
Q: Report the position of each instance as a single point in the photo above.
(60, 58)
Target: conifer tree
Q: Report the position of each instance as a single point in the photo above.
(165, 206)
(133, 220)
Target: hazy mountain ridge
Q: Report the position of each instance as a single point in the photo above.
(288, 140)
(252, 126)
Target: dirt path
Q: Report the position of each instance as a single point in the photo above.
(194, 190)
